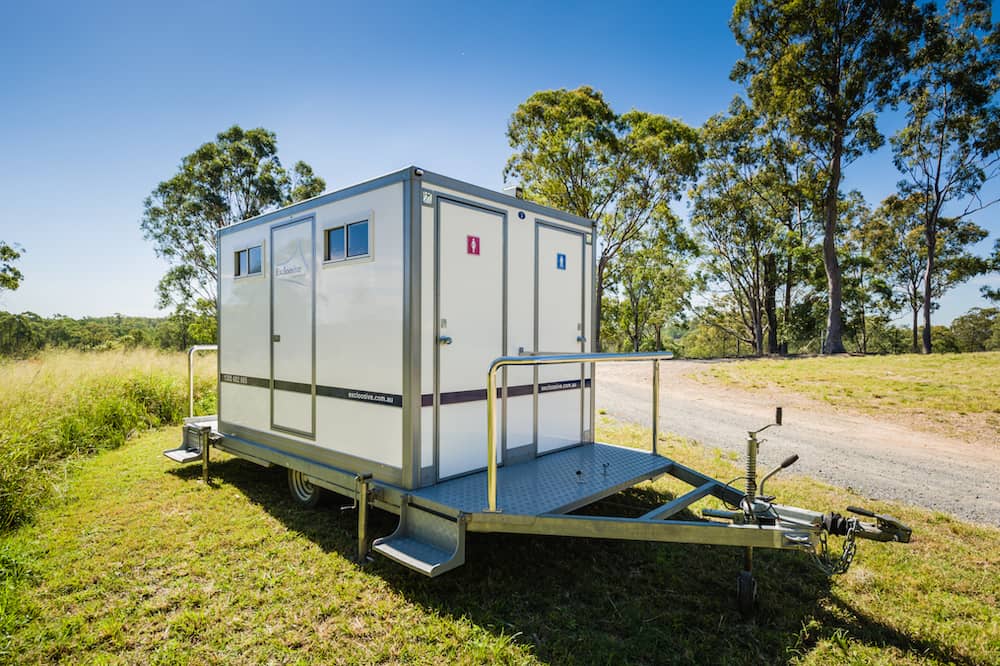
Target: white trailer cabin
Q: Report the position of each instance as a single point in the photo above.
(356, 328)
(423, 345)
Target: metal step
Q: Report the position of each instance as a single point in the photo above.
(424, 541)
(183, 455)
(195, 440)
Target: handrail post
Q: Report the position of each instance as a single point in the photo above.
(491, 439)
(551, 359)
(191, 352)
(191, 381)
(656, 402)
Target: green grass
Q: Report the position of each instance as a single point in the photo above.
(954, 393)
(140, 562)
(62, 406)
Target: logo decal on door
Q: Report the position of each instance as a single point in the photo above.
(472, 244)
(561, 261)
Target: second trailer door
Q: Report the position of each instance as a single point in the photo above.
(559, 329)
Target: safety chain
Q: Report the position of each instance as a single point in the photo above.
(843, 563)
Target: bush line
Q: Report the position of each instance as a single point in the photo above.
(98, 414)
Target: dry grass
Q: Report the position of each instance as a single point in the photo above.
(66, 404)
(955, 394)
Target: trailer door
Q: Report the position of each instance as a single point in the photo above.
(293, 381)
(559, 316)
(470, 252)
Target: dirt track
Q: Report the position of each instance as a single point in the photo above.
(878, 459)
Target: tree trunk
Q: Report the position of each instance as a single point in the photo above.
(915, 347)
(834, 343)
(931, 235)
(786, 314)
(659, 337)
(636, 330)
(770, 304)
(757, 322)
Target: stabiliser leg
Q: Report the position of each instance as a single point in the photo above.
(364, 545)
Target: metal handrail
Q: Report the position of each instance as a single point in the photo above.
(191, 352)
(554, 359)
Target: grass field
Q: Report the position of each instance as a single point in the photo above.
(140, 562)
(65, 405)
(958, 394)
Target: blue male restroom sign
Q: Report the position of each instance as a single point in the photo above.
(560, 261)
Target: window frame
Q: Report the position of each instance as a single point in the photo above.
(237, 254)
(345, 225)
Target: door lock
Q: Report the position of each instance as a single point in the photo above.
(444, 340)
(275, 338)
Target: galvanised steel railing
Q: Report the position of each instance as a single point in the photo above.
(554, 359)
(191, 353)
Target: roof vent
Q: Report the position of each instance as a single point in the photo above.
(514, 191)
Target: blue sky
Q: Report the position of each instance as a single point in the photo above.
(101, 102)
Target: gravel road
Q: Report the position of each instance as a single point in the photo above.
(878, 459)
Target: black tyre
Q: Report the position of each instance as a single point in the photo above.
(303, 491)
(746, 594)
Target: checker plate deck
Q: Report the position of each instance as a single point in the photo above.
(553, 483)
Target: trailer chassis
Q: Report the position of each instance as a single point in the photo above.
(430, 537)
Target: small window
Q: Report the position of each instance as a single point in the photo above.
(335, 250)
(347, 242)
(247, 262)
(357, 239)
(254, 259)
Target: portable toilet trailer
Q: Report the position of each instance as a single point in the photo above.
(361, 334)
(356, 328)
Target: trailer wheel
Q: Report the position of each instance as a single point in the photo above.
(746, 594)
(303, 491)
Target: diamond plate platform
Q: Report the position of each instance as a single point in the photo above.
(554, 483)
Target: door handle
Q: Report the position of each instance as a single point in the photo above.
(275, 338)
(581, 338)
(444, 340)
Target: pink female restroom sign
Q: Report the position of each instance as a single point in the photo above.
(472, 244)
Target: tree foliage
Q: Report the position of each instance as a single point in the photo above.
(10, 276)
(825, 67)
(650, 289)
(751, 211)
(993, 266)
(573, 152)
(235, 177)
(950, 146)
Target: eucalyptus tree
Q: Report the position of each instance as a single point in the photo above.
(993, 266)
(899, 247)
(825, 67)
(224, 181)
(757, 180)
(736, 229)
(950, 146)
(573, 152)
(10, 275)
(650, 286)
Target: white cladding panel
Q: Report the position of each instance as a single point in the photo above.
(520, 326)
(244, 335)
(359, 328)
(358, 331)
